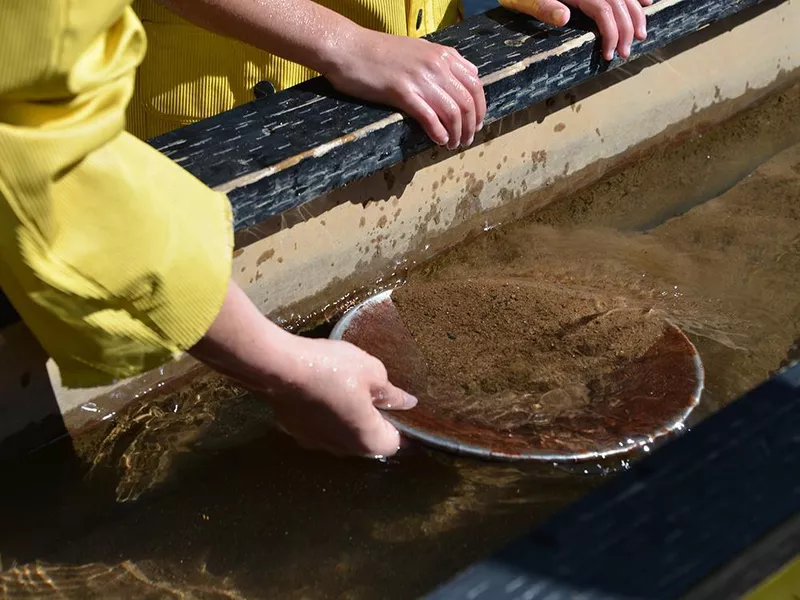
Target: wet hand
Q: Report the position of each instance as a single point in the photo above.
(333, 397)
(433, 84)
(619, 21)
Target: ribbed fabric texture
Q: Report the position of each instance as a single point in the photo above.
(191, 74)
(115, 257)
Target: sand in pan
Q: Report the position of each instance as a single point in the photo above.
(512, 349)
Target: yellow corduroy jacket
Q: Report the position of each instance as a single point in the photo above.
(191, 74)
(115, 257)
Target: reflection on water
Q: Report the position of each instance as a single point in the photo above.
(147, 441)
(264, 519)
(196, 495)
(97, 580)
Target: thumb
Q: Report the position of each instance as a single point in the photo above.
(389, 397)
(551, 12)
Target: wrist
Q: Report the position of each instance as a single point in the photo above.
(338, 49)
(280, 358)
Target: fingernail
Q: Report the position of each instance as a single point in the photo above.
(480, 125)
(444, 141)
(409, 401)
(558, 16)
(627, 51)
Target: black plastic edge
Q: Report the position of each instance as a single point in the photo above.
(672, 521)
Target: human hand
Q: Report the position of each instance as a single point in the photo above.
(619, 21)
(432, 84)
(332, 403)
(324, 393)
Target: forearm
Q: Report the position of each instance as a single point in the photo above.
(244, 345)
(301, 30)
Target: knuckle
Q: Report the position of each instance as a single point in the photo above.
(465, 93)
(403, 90)
(435, 62)
(473, 83)
(451, 109)
(623, 10)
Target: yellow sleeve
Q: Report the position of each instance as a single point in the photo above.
(191, 74)
(116, 258)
